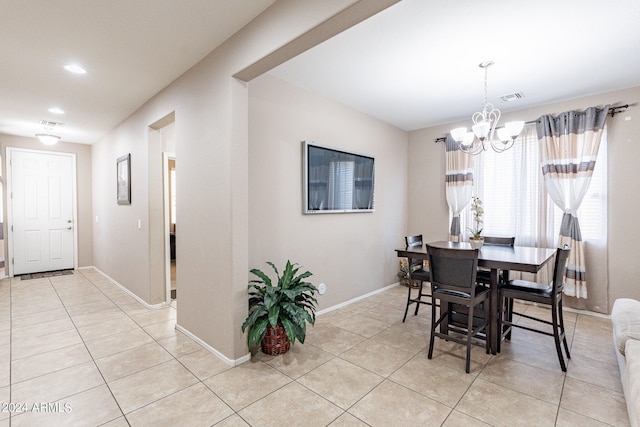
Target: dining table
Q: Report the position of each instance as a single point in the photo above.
(495, 258)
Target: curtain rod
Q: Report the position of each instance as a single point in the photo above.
(612, 112)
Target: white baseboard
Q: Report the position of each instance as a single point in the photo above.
(127, 291)
(351, 301)
(225, 359)
(569, 309)
(230, 362)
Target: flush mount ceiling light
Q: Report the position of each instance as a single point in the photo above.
(75, 69)
(484, 130)
(56, 110)
(47, 139)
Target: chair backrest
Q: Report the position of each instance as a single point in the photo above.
(413, 240)
(559, 269)
(453, 269)
(499, 241)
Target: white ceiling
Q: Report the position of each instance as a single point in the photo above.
(131, 49)
(413, 65)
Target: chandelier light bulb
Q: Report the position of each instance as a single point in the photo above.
(514, 128)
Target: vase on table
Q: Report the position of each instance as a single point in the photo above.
(476, 243)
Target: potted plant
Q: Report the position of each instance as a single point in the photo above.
(476, 240)
(404, 274)
(278, 313)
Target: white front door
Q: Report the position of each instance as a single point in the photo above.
(41, 222)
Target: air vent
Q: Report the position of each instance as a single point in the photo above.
(49, 125)
(512, 96)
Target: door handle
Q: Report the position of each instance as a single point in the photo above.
(69, 228)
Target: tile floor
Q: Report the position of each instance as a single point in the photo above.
(77, 350)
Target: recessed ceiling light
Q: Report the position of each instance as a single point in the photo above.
(56, 110)
(75, 69)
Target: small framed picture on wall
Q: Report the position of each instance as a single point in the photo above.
(124, 179)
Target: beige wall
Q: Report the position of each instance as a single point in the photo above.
(212, 150)
(428, 213)
(83, 187)
(352, 253)
(221, 233)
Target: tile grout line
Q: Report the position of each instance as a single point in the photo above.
(572, 332)
(124, 415)
(174, 357)
(89, 352)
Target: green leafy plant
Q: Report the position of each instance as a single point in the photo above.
(478, 212)
(290, 303)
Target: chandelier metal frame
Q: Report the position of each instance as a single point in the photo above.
(484, 132)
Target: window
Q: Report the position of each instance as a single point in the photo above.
(511, 187)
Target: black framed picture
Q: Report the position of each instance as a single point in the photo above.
(124, 179)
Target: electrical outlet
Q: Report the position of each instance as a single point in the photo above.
(322, 288)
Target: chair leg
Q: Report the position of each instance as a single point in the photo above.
(469, 336)
(501, 309)
(509, 303)
(487, 343)
(419, 298)
(489, 338)
(556, 335)
(434, 325)
(408, 303)
(564, 335)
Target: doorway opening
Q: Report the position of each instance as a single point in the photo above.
(2, 251)
(169, 175)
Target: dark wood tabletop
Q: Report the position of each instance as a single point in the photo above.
(516, 258)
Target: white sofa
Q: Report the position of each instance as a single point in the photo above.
(625, 317)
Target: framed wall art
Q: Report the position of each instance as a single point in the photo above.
(124, 179)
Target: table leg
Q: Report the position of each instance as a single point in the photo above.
(507, 329)
(493, 335)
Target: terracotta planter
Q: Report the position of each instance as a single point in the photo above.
(275, 341)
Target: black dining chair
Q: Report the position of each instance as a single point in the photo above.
(550, 295)
(453, 283)
(417, 274)
(484, 275)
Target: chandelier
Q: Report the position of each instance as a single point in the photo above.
(484, 132)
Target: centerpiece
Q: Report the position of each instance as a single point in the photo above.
(476, 240)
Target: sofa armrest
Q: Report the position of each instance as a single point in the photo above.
(632, 389)
(625, 317)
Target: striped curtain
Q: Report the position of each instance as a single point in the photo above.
(458, 183)
(569, 146)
